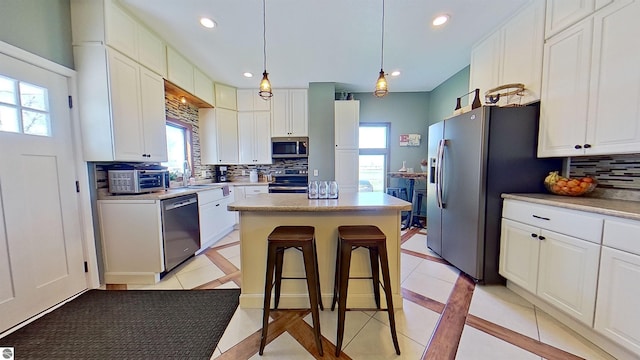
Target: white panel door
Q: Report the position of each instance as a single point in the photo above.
(41, 253)
(564, 13)
(227, 135)
(618, 292)
(346, 170)
(568, 274)
(125, 107)
(298, 112)
(262, 140)
(485, 66)
(347, 122)
(614, 116)
(246, 138)
(153, 115)
(519, 252)
(565, 92)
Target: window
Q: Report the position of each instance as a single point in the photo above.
(24, 108)
(178, 147)
(374, 156)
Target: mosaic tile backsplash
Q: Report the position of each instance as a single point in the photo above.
(611, 171)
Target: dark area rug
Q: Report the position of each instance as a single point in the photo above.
(136, 324)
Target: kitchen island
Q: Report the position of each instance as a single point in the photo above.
(259, 215)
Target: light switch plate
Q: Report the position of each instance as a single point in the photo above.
(315, 172)
(203, 173)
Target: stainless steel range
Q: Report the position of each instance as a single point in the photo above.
(289, 181)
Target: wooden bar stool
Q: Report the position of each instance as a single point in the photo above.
(301, 238)
(349, 239)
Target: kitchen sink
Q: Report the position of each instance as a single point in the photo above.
(200, 186)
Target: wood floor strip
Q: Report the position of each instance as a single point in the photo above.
(224, 246)
(408, 234)
(116, 286)
(225, 265)
(443, 344)
(425, 256)
(303, 333)
(422, 300)
(248, 347)
(519, 340)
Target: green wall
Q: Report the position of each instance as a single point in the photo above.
(407, 113)
(42, 27)
(321, 130)
(443, 98)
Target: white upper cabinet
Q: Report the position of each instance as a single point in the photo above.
(563, 13)
(347, 154)
(289, 113)
(565, 91)
(254, 137)
(218, 136)
(179, 70)
(225, 97)
(249, 100)
(203, 86)
(591, 82)
(104, 22)
(347, 124)
(512, 54)
(122, 112)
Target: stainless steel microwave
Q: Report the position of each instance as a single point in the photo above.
(289, 147)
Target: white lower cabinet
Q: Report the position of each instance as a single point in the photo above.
(215, 221)
(582, 264)
(132, 249)
(617, 315)
(558, 268)
(568, 273)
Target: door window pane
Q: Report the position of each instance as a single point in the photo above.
(7, 91)
(372, 172)
(29, 116)
(176, 148)
(9, 119)
(373, 137)
(35, 123)
(33, 97)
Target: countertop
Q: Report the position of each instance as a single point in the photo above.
(620, 208)
(103, 194)
(300, 202)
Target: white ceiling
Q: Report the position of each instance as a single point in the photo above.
(325, 40)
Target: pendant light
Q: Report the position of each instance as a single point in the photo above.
(381, 84)
(265, 84)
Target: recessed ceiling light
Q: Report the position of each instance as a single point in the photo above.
(395, 73)
(247, 74)
(208, 23)
(440, 20)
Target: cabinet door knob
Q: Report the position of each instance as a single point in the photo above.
(587, 146)
(577, 147)
(541, 237)
(534, 235)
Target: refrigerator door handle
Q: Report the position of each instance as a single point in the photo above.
(439, 176)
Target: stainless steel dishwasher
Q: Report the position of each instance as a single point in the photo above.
(180, 229)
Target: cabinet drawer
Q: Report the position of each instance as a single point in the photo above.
(205, 197)
(622, 234)
(255, 190)
(569, 222)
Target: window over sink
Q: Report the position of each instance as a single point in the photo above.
(179, 148)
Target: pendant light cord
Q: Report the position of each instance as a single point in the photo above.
(264, 33)
(382, 52)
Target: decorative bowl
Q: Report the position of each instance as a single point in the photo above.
(569, 186)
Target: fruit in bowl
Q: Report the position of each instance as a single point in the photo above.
(559, 185)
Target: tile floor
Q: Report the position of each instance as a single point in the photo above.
(427, 283)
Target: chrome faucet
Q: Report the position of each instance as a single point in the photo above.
(186, 174)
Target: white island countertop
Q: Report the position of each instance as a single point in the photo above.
(361, 201)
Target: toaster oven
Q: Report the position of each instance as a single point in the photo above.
(137, 181)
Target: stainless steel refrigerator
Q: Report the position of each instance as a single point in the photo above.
(473, 159)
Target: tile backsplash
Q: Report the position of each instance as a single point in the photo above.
(611, 171)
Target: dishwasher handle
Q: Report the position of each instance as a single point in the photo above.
(180, 203)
